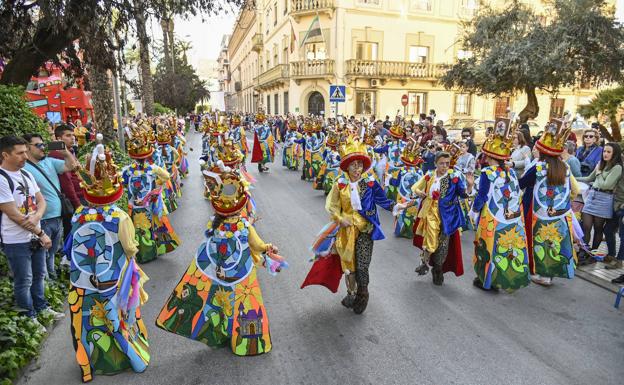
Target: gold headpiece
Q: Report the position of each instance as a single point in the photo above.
(411, 155)
(499, 143)
(236, 120)
(554, 137)
(163, 135)
(455, 152)
(100, 179)
(140, 145)
(353, 149)
(230, 154)
(228, 194)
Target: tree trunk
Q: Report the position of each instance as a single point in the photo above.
(531, 110)
(616, 135)
(171, 43)
(147, 88)
(102, 95)
(164, 25)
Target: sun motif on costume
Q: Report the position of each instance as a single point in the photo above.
(511, 239)
(99, 312)
(550, 233)
(222, 300)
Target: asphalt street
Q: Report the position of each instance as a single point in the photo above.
(411, 333)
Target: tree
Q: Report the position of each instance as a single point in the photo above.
(190, 89)
(16, 118)
(515, 50)
(37, 31)
(147, 89)
(606, 103)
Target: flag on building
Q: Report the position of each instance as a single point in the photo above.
(293, 38)
(313, 31)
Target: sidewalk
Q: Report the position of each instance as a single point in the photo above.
(597, 274)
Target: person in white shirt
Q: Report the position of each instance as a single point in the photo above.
(21, 207)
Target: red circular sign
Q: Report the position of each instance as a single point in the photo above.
(404, 100)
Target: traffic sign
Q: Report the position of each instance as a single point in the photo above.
(337, 94)
(404, 100)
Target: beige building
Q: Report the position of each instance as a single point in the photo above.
(379, 49)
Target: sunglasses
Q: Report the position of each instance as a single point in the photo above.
(40, 146)
(588, 136)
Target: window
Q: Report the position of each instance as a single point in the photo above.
(416, 103)
(267, 20)
(556, 107)
(286, 103)
(365, 102)
(276, 103)
(275, 14)
(315, 51)
(285, 55)
(421, 5)
(501, 104)
(286, 6)
(463, 54)
(418, 54)
(269, 104)
(462, 104)
(366, 50)
(468, 7)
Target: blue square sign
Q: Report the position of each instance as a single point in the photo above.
(337, 94)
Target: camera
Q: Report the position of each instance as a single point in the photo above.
(35, 244)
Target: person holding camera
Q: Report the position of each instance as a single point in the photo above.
(590, 153)
(21, 237)
(46, 171)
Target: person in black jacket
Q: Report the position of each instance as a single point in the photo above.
(468, 135)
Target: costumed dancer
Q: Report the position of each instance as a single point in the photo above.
(500, 256)
(313, 155)
(408, 176)
(264, 143)
(436, 229)
(352, 205)
(218, 301)
(290, 158)
(549, 189)
(144, 183)
(237, 134)
(179, 141)
(106, 284)
(466, 165)
(166, 157)
(393, 149)
(331, 165)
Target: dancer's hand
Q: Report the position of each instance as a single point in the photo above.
(345, 222)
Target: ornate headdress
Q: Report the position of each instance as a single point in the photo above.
(554, 137)
(140, 145)
(163, 135)
(228, 194)
(333, 139)
(354, 150)
(100, 179)
(230, 154)
(499, 143)
(397, 130)
(260, 117)
(292, 123)
(454, 151)
(236, 120)
(411, 155)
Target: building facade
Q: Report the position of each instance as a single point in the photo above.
(380, 50)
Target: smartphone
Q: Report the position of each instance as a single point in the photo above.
(56, 145)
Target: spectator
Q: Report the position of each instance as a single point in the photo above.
(615, 225)
(521, 154)
(589, 154)
(46, 172)
(426, 134)
(568, 156)
(21, 237)
(467, 134)
(70, 182)
(598, 208)
(81, 133)
(440, 129)
(387, 123)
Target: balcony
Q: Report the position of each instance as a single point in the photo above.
(257, 42)
(386, 70)
(300, 8)
(274, 77)
(312, 69)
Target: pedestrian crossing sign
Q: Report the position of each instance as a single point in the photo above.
(337, 94)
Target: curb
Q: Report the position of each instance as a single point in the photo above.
(597, 281)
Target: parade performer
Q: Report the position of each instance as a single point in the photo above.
(500, 256)
(351, 204)
(549, 189)
(290, 157)
(439, 219)
(106, 284)
(466, 165)
(330, 169)
(264, 144)
(237, 134)
(313, 154)
(179, 141)
(408, 176)
(218, 301)
(166, 157)
(144, 183)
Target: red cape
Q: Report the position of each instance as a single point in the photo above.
(256, 154)
(453, 260)
(326, 272)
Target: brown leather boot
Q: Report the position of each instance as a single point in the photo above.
(361, 300)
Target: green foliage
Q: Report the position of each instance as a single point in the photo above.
(159, 109)
(20, 339)
(606, 103)
(16, 118)
(516, 50)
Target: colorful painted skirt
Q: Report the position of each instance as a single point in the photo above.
(501, 257)
(218, 314)
(331, 174)
(404, 222)
(553, 246)
(312, 164)
(164, 234)
(144, 234)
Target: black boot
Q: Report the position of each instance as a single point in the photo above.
(348, 301)
(619, 280)
(422, 269)
(361, 300)
(260, 168)
(438, 276)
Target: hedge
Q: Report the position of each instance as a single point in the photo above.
(16, 118)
